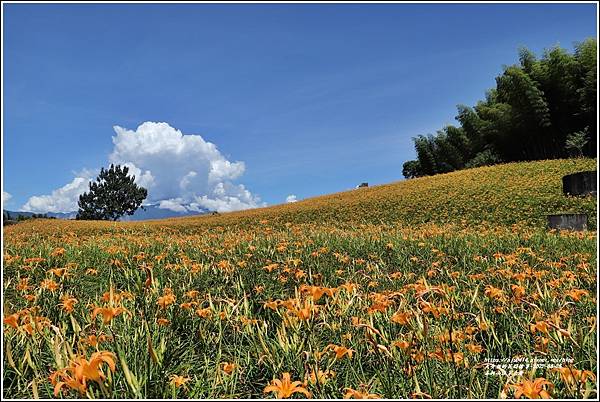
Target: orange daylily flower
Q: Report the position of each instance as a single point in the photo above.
(285, 387)
(228, 367)
(348, 287)
(541, 326)
(396, 275)
(320, 376)
(95, 340)
(49, 284)
(272, 304)
(436, 311)
(456, 336)
(402, 344)
(204, 313)
(535, 389)
(188, 305)
(290, 304)
(60, 272)
(179, 381)
(167, 299)
(127, 295)
(474, 348)
(58, 252)
(224, 265)
(108, 313)
(493, 293)
(577, 294)
(572, 376)
(113, 296)
(68, 303)
(12, 320)
(271, 267)
(401, 318)
(92, 370)
(418, 356)
(36, 323)
(316, 291)
(34, 260)
(448, 356)
(541, 343)
(362, 394)
(304, 312)
(192, 294)
(80, 370)
(340, 351)
(248, 321)
(483, 325)
(380, 303)
(24, 284)
(518, 291)
(149, 280)
(30, 298)
(67, 381)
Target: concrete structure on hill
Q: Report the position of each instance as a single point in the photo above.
(577, 222)
(580, 184)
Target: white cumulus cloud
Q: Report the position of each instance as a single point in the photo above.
(291, 198)
(174, 205)
(6, 197)
(182, 172)
(63, 199)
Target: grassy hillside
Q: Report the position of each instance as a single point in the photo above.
(502, 195)
(499, 195)
(395, 291)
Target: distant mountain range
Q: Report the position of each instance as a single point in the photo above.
(59, 215)
(150, 211)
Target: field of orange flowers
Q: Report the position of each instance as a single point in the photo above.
(276, 303)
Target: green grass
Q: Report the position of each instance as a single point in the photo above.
(397, 244)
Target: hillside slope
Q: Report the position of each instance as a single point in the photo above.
(502, 195)
(228, 303)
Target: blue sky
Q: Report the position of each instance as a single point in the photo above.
(312, 98)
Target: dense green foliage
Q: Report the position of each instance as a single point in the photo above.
(540, 109)
(113, 195)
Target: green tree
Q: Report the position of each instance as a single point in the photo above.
(576, 142)
(453, 147)
(530, 113)
(541, 108)
(424, 145)
(112, 195)
(586, 76)
(471, 125)
(411, 169)
(484, 158)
